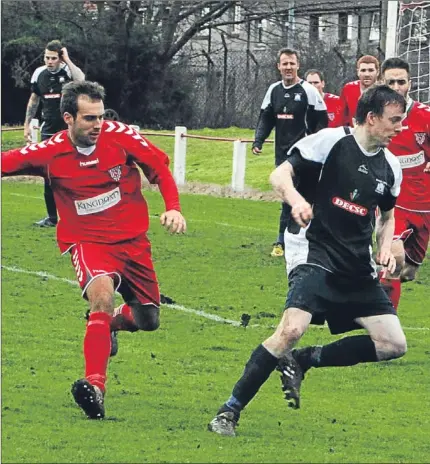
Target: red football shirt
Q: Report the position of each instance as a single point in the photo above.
(333, 109)
(349, 97)
(98, 196)
(412, 148)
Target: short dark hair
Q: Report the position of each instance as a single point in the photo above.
(73, 90)
(288, 51)
(375, 99)
(315, 71)
(395, 63)
(54, 46)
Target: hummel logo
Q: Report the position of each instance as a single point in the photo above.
(363, 168)
(83, 164)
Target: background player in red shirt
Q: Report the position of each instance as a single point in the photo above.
(93, 171)
(412, 148)
(367, 72)
(315, 77)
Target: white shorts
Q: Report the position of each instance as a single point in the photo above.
(296, 248)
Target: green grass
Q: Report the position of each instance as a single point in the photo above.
(164, 387)
(207, 161)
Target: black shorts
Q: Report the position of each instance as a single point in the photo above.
(332, 298)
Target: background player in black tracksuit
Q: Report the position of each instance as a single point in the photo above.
(46, 85)
(295, 109)
(332, 276)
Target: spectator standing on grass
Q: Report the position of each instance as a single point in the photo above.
(295, 109)
(412, 148)
(93, 169)
(332, 276)
(46, 86)
(315, 77)
(367, 72)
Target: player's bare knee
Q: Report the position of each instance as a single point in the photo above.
(102, 301)
(284, 337)
(391, 349)
(291, 334)
(146, 317)
(100, 294)
(397, 348)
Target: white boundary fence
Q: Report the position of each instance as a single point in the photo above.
(180, 152)
(180, 158)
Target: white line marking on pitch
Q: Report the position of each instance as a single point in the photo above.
(222, 224)
(25, 196)
(198, 312)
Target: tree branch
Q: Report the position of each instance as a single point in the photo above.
(195, 28)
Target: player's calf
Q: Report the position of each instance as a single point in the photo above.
(408, 273)
(146, 316)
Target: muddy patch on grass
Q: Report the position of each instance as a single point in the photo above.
(198, 188)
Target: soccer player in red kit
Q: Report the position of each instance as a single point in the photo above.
(93, 170)
(367, 72)
(315, 77)
(412, 213)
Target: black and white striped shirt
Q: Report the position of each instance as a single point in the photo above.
(345, 184)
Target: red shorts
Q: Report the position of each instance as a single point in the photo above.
(129, 263)
(414, 229)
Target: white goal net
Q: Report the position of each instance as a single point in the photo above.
(413, 45)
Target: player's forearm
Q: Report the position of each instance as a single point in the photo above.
(385, 230)
(282, 182)
(169, 191)
(33, 104)
(264, 127)
(77, 73)
(13, 163)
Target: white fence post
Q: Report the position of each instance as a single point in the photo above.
(180, 155)
(239, 164)
(34, 130)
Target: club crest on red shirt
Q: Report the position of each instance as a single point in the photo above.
(115, 173)
(420, 137)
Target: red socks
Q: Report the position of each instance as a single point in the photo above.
(393, 289)
(123, 319)
(97, 341)
(97, 346)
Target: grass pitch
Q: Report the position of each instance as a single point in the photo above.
(164, 387)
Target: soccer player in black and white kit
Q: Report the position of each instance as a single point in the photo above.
(46, 85)
(295, 109)
(332, 275)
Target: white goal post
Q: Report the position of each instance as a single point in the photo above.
(408, 36)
